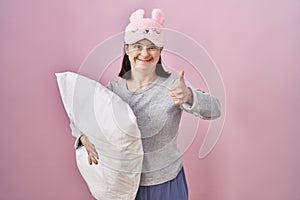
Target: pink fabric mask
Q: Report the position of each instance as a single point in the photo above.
(145, 28)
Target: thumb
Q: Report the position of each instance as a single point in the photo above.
(181, 76)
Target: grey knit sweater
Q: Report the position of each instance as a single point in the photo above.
(158, 119)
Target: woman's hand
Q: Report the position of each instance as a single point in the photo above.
(91, 150)
(180, 93)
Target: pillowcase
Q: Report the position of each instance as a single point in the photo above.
(111, 126)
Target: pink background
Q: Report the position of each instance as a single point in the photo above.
(255, 45)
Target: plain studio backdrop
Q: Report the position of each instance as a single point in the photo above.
(254, 43)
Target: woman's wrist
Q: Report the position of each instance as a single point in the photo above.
(83, 139)
(190, 99)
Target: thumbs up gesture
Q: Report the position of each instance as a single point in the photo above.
(180, 93)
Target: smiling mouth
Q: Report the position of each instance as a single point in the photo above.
(144, 60)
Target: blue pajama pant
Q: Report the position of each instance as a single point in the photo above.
(175, 189)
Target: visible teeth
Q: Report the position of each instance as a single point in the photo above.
(144, 60)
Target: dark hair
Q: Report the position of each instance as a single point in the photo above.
(126, 68)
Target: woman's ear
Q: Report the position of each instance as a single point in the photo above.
(126, 48)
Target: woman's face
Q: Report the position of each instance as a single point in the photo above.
(143, 55)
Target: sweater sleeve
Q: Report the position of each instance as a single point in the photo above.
(204, 105)
(110, 86)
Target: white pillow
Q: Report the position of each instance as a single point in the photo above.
(111, 126)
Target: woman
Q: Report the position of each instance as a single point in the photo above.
(157, 99)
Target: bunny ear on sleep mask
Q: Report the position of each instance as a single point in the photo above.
(145, 28)
(111, 126)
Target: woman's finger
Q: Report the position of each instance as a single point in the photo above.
(92, 159)
(95, 160)
(176, 101)
(89, 159)
(172, 94)
(95, 153)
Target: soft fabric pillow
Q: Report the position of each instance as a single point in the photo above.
(111, 126)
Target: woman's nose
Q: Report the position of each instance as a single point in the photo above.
(144, 52)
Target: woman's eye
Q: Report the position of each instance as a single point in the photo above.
(138, 46)
(152, 47)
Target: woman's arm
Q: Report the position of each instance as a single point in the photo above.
(82, 140)
(204, 105)
(193, 100)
